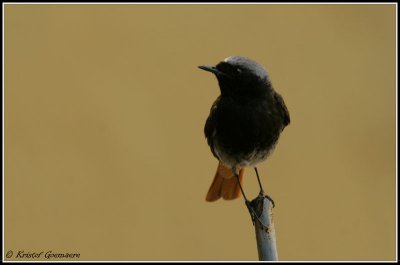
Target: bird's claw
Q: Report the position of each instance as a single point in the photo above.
(251, 211)
(271, 200)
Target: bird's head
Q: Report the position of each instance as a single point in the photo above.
(240, 76)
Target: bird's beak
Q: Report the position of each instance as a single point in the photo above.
(211, 69)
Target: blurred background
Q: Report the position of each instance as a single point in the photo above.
(105, 153)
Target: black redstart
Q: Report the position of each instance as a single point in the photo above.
(244, 124)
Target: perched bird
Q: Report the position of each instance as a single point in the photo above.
(244, 124)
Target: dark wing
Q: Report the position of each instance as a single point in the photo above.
(282, 109)
(210, 127)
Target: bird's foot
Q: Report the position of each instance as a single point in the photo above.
(251, 211)
(270, 199)
(262, 194)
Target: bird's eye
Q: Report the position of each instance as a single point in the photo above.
(228, 69)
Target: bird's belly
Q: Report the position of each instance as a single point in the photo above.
(241, 160)
(234, 157)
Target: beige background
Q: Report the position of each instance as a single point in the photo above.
(104, 148)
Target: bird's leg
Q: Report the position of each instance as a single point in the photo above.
(259, 182)
(246, 201)
(240, 186)
(262, 190)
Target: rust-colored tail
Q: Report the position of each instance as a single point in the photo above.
(224, 185)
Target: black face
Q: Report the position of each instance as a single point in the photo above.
(230, 71)
(239, 76)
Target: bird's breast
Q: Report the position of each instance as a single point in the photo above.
(244, 133)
